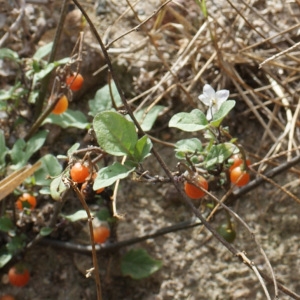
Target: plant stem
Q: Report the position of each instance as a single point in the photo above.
(94, 254)
(45, 83)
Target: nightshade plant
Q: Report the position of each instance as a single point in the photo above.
(117, 136)
(211, 157)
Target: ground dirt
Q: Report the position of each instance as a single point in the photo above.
(196, 265)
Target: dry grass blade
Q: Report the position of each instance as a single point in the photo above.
(11, 182)
(279, 54)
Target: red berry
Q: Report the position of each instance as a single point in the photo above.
(79, 172)
(239, 177)
(26, 200)
(101, 234)
(18, 275)
(193, 191)
(75, 81)
(237, 161)
(61, 106)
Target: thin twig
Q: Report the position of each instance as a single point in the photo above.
(94, 254)
(45, 82)
(136, 28)
(279, 54)
(251, 265)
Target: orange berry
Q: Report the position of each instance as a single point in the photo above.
(75, 82)
(101, 234)
(18, 276)
(61, 106)
(239, 177)
(237, 161)
(193, 191)
(79, 172)
(26, 200)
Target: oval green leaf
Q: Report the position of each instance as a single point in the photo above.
(103, 99)
(190, 122)
(6, 224)
(79, 215)
(138, 264)
(189, 145)
(142, 149)
(115, 134)
(69, 118)
(109, 175)
(46, 231)
(225, 108)
(147, 118)
(50, 168)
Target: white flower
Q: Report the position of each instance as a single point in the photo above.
(213, 99)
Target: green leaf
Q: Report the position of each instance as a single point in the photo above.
(33, 96)
(43, 51)
(35, 143)
(9, 54)
(138, 264)
(5, 257)
(57, 187)
(219, 153)
(109, 175)
(103, 215)
(46, 231)
(47, 70)
(225, 108)
(22, 151)
(44, 190)
(188, 146)
(6, 224)
(36, 67)
(15, 92)
(69, 118)
(142, 149)
(79, 215)
(190, 122)
(115, 134)
(147, 118)
(5, 95)
(50, 168)
(16, 243)
(102, 100)
(202, 4)
(17, 152)
(74, 148)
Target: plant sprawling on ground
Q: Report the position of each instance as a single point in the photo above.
(70, 147)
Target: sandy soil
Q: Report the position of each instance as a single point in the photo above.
(195, 265)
